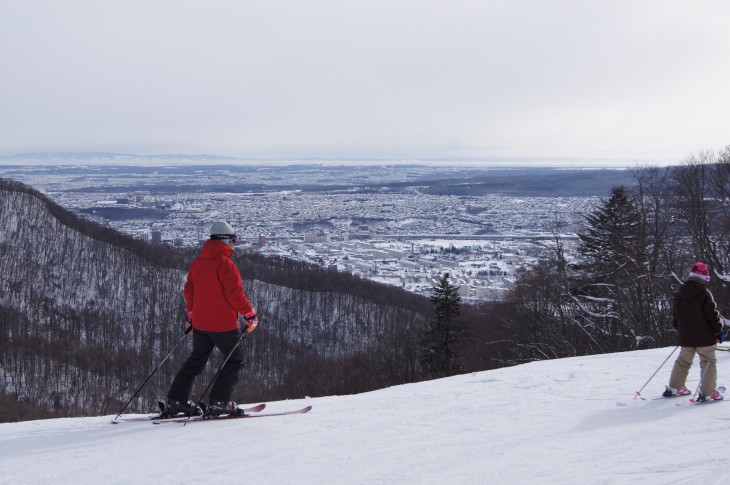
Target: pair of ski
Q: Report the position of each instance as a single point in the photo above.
(158, 419)
(720, 389)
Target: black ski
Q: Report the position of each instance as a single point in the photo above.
(159, 418)
(198, 419)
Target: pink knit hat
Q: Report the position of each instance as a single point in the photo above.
(699, 270)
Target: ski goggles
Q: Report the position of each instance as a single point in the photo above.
(217, 237)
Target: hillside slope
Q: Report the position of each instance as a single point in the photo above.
(554, 422)
(87, 312)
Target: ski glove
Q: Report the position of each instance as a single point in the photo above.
(251, 321)
(720, 336)
(189, 324)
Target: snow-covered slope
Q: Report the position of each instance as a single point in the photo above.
(563, 421)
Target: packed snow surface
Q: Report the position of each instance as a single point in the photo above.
(564, 421)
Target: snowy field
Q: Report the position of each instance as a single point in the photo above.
(563, 422)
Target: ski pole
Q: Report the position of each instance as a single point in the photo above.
(215, 377)
(638, 393)
(702, 378)
(187, 331)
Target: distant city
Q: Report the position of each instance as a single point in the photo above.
(400, 225)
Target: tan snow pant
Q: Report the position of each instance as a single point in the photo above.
(708, 368)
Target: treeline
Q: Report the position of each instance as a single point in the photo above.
(636, 248)
(158, 254)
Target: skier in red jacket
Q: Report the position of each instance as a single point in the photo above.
(214, 298)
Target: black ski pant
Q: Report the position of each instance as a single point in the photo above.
(203, 345)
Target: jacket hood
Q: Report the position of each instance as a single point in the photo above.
(214, 249)
(691, 290)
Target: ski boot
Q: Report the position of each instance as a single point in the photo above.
(218, 408)
(171, 408)
(715, 396)
(672, 392)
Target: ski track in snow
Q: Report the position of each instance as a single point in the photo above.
(563, 421)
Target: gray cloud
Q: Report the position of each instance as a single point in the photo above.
(640, 80)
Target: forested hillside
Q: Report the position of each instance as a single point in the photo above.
(616, 293)
(86, 313)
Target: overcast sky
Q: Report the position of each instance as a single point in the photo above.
(514, 79)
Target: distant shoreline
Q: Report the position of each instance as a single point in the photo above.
(127, 159)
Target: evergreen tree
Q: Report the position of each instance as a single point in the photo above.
(444, 337)
(615, 297)
(611, 243)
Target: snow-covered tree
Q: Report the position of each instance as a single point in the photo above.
(612, 240)
(624, 289)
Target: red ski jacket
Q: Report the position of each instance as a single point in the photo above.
(214, 290)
